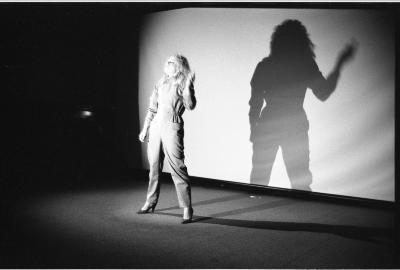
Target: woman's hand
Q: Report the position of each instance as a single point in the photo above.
(191, 77)
(188, 83)
(143, 135)
(190, 80)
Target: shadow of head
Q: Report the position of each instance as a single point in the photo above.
(291, 38)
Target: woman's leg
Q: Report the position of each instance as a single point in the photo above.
(155, 157)
(172, 141)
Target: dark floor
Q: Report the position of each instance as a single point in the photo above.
(97, 227)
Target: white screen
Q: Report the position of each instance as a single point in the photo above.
(351, 135)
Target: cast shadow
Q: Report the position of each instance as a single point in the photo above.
(377, 235)
(276, 115)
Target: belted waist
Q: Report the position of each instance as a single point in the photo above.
(170, 116)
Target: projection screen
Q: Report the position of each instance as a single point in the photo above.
(350, 134)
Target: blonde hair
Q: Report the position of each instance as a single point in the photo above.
(183, 68)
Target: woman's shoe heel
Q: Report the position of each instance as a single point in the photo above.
(147, 211)
(188, 220)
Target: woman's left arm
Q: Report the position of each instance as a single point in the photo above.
(188, 97)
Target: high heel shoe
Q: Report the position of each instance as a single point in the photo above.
(188, 220)
(146, 211)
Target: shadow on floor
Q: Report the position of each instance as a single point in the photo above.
(381, 236)
(369, 234)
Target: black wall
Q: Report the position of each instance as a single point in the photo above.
(56, 60)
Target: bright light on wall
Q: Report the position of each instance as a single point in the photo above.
(351, 135)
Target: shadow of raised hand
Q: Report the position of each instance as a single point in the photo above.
(348, 53)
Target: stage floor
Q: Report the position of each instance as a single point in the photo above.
(97, 227)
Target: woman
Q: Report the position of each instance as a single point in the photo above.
(163, 127)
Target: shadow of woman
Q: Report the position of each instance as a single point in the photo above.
(377, 235)
(281, 80)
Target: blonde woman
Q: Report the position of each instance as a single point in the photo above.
(163, 128)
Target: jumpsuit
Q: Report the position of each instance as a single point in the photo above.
(166, 138)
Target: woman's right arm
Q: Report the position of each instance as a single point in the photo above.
(151, 112)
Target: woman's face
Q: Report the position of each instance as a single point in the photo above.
(170, 67)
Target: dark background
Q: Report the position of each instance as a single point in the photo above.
(57, 59)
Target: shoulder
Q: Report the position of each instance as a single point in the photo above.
(264, 65)
(160, 83)
(261, 73)
(264, 62)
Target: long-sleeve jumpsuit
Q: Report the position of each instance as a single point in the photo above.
(166, 138)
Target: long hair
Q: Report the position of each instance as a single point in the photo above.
(291, 38)
(183, 67)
